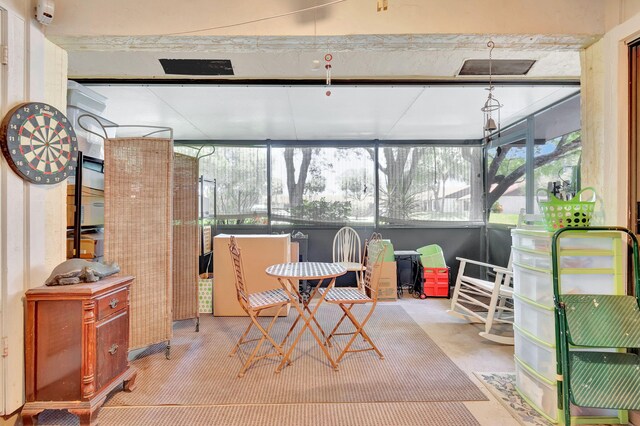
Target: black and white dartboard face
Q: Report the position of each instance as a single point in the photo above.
(39, 143)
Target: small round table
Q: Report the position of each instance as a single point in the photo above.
(286, 273)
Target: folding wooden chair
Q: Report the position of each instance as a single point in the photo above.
(253, 304)
(367, 292)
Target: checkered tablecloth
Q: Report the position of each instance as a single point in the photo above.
(306, 270)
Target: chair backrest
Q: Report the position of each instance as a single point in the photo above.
(236, 260)
(346, 245)
(372, 260)
(431, 256)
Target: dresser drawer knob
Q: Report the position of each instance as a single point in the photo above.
(113, 349)
(113, 303)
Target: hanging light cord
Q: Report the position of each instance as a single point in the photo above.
(490, 45)
(319, 6)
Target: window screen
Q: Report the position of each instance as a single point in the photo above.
(429, 183)
(313, 185)
(241, 184)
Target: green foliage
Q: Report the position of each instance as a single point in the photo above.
(356, 184)
(316, 182)
(399, 204)
(497, 208)
(322, 210)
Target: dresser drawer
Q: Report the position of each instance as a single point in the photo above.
(112, 302)
(112, 347)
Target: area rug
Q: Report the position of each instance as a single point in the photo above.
(502, 386)
(389, 414)
(200, 371)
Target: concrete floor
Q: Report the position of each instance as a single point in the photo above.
(460, 341)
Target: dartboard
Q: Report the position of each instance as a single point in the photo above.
(39, 143)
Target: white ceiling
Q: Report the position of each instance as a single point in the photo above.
(303, 112)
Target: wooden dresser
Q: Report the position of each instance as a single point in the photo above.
(76, 347)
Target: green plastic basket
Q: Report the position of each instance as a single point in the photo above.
(567, 214)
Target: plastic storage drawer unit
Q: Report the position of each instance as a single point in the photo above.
(539, 355)
(542, 395)
(535, 319)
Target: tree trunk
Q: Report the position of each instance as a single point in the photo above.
(295, 186)
(505, 183)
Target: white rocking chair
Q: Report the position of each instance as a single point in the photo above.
(493, 300)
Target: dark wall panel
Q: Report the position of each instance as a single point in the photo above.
(455, 242)
(498, 244)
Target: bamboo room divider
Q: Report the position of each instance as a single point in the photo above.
(138, 230)
(185, 237)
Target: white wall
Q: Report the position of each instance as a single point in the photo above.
(55, 94)
(592, 117)
(27, 254)
(605, 118)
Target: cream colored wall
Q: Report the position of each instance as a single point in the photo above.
(31, 240)
(610, 146)
(55, 93)
(592, 117)
(148, 17)
(617, 12)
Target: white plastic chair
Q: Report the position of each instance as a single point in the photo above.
(346, 251)
(474, 292)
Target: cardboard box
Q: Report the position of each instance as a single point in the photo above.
(387, 294)
(91, 246)
(87, 248)
(258, 252)
(295, 251)
(388, 284)
(86, 191)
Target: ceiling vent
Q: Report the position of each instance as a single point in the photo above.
(498, 67)
(197, 66)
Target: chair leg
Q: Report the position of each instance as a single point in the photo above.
(366, 337)
(495, 293)
(456, 288)
(241, 341)
(331, 335)
(359, 331)
(293, 326)
(265, 335)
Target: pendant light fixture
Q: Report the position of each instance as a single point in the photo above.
(491, 108)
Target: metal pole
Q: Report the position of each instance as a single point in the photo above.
(77, 216)
(215, 208)
(376, 177)
(269, 227)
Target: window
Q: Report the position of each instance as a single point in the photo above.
(506, 182)
(314, 185)
(557, 149)
(551, 140)
(241, 184)
(429, 183)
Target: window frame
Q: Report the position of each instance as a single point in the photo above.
(375, 144)
(528, 135)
